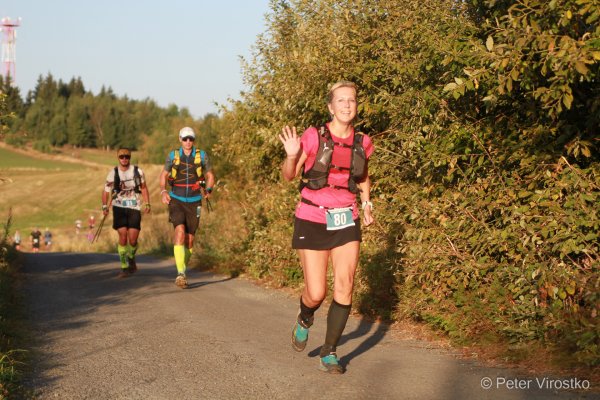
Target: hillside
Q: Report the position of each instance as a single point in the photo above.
(54, 191)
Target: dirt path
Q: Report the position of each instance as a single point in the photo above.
(143, 338)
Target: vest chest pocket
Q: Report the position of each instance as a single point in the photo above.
(339, 218)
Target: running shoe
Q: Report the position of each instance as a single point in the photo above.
(181, 281)
(132, 265)
(299, 337)
(330, 364)
(124, 273)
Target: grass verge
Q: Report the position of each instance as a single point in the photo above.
(13, 359)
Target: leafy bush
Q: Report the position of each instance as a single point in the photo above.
(486, 173)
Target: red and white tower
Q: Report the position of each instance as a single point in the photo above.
(8, 27)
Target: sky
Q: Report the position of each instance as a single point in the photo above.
(182, 52)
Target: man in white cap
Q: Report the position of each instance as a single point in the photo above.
(189, 173)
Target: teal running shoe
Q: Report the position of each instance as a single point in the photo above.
(330, 364)
(299, 337)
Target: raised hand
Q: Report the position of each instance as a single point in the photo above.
(290, 140)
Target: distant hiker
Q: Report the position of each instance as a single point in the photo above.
(91, 222)
(125, 187)
(47, 239)
(17, 240)
(333, 161)
(90, 235)
(188, 171)
(36, 236)
(77, 226)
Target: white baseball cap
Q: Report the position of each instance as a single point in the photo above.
(186, 132)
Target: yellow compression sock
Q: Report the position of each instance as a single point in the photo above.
(179, 252)
(188, 255)
(123, 251)
(132, 250)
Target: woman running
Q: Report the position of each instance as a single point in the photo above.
(333, 159)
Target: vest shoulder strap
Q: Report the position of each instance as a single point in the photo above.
(199, 157)
(117, 181)
(137, 179)
(174, 156)
(358, 137)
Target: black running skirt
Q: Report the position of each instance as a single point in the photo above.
(314, 236)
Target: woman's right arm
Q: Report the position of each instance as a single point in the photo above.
(294, 156)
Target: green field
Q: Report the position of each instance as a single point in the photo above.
(42, 192)
(13, 160)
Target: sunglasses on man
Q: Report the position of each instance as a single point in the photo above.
(188, 138)
(124, 157)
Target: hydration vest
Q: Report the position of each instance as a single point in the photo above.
(176, 160)
(137, 181)
(316, 177)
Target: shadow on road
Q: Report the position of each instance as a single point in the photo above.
(63, 289)
(363, 329)
(200, 284)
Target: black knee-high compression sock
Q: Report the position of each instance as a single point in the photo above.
(336, 322)
(306, 316)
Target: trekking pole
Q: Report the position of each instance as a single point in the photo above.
(97, 235)
(208, 205)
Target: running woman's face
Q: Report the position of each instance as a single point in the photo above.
(343, 105)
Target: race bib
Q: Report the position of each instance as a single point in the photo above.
(129, 203)
(339, 218)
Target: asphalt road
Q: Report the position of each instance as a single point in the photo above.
(98, 337)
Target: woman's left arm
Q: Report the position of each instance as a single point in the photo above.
(365, 199)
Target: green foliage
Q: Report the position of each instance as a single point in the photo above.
(12, 103)
(486, 173)
(56, 113)
(11, 358)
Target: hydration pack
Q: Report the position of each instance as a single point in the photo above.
(316, 177)
(137, 181)
(175, 157)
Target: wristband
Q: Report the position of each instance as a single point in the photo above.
(208, 190)
(104, 207)
(367, 203)
(163, 191)
(148, 205)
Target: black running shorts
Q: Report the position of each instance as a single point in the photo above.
(127, 218)
(187, 214)
(314, 236)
